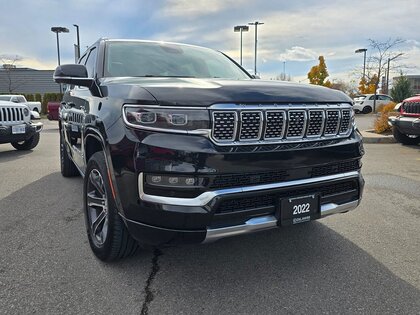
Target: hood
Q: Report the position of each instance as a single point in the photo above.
(11, 104)
(205, 92)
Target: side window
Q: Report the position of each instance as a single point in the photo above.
(90, 63)
(14, 99)
(21, 99)
(82, 60)
(371, 98)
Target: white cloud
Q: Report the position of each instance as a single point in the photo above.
(298, 53)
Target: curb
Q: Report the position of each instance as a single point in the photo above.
(370, 137)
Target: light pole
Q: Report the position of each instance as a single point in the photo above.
(56, 30)
(78, 42)
(284, 70)
(363, 50)
(256, 23)
(241, 28)
(387, 70)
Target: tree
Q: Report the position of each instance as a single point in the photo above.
(401, 89)
(368, 87)
(349, 88)
(319, 73)
(9, 65)
(377, 62)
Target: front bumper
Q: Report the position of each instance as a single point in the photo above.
(7, 136)
(406, 125)
(243, 221)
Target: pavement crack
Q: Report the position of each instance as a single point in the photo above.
(147, 289)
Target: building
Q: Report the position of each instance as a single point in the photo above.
(414, 80)
(26, 81)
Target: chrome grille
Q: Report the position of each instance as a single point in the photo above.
(243, 124)
(11, 114)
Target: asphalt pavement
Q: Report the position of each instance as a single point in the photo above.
(365, 261)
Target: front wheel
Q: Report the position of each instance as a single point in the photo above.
(367, 110)
(108, 236)
(29, 144)
(403, 138)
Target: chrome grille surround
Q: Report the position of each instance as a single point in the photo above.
(280, 123)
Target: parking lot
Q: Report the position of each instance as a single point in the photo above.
(365, 261)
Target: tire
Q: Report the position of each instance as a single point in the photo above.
(367, 110)
(108, 236)
(68, 169)
(403, 138)
(29, 144)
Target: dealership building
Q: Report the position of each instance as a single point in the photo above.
(414, 80)
(26, 81)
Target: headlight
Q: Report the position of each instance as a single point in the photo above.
(168, 119)
(26, 111)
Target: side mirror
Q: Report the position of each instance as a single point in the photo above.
(76, 74)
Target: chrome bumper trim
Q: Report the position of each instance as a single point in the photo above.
(207, 196)
(270, 222)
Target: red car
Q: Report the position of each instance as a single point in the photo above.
(406, 126)
(52, 110)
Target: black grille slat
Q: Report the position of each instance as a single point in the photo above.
(315, 123)
(270, 200)
(332, 121)
(345, 121)
(11, 114)
(296, 124)
(239, 180)
(274, 124)
(251, 123)
(224, 125)
(412, 107)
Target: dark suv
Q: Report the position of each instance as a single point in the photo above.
(179, 144)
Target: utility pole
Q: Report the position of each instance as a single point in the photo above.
(256, 23)
(387, 70)
(56, 30)
(363, 50)
(78, 42)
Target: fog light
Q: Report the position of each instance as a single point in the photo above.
(173, 180)
(156, 179)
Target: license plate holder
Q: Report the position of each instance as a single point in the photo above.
(18, 129)
(299, 209)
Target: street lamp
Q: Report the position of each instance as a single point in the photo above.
(78, 42)
(256, 23)
(387, 70)
(241, 28)
(362, 50)
(56, 30)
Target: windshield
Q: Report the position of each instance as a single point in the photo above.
(149, 59)
(4, 98)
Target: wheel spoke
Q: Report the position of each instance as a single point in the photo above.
(94, 201)
(97, 222)
(97, 182)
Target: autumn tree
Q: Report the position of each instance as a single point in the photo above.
(368, 87)
(319, 73)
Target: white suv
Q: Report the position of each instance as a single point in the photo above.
(364, 103)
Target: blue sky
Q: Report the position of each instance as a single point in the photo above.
(296, 32)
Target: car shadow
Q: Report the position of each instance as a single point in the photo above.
(10, 153)
(309, 268)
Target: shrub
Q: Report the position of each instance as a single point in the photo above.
(381, 122)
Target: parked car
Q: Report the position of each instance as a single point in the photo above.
(179, 144)
(364, 103)
(20, 99)
(406, 126)
(52, 110)
(16, 126)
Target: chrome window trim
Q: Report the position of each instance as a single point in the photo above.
(207, 196)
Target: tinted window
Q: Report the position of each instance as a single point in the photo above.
(90, 63)
(372, 98)
(148, 59)
(4, 98)
(384, 98)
